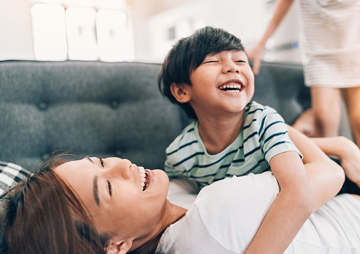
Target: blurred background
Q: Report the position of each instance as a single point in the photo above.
(133, 30)
(136, 30)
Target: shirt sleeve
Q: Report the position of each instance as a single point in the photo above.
(274, 135)
(171, 171)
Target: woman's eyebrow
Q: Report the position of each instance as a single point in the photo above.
(95, 185)
(95, 190)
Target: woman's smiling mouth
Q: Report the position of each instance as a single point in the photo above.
(144, 178)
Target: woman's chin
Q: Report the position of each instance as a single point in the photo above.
(159, 180)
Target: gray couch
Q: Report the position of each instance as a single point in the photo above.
(109, 109)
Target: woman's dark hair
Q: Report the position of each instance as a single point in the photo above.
(43, 215)
(188, 54)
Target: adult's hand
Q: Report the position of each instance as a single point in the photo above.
(254, 54)
(346, 151)
(281, 9)
(350, 159)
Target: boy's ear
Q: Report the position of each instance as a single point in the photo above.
(120, 247)
(180, 92)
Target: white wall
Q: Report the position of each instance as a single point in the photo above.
(287, 32)
(16, 41)
(243, 18)
(17, 33)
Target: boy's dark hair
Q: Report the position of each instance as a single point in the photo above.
(187, 54)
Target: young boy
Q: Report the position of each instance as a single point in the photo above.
(209, 76)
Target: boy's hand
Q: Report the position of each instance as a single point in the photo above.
(350, 159)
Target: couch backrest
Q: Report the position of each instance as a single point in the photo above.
(281, 86)
(109, 109)
(90, 108)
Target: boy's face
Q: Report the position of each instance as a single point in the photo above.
(224, 82)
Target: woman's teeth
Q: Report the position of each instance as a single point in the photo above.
(144, 176)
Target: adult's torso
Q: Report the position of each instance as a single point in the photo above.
(227, 214)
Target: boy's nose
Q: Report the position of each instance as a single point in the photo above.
(231, 67)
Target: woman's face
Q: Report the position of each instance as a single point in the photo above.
(111, 190)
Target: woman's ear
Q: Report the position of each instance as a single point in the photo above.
(180, 92)
(121, 247)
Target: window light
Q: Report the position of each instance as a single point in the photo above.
(46, 1)
(81, 34)
(110, 4)
(79, 3)
(114, 36)
(49, 32)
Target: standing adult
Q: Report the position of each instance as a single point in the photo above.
(330, 47)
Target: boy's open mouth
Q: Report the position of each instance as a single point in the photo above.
(231, 86)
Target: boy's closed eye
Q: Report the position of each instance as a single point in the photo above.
(216, 61)
(212, 61)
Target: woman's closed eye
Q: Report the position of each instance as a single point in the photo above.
(101, 162)
(109, 187)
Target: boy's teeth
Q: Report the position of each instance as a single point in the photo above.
(232, 86)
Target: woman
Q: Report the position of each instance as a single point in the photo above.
(110, 205)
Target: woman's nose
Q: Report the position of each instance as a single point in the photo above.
(119, 168)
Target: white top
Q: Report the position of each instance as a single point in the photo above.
(227, 214)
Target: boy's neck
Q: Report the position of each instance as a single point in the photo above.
(217, 133)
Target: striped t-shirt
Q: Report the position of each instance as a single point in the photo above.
(264, 135)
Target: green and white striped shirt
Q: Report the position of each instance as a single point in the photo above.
(264, 135)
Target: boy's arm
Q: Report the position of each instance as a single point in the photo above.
(304, 188)
(291, 208)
